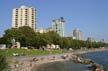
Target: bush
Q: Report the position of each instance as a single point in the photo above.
(3, 64)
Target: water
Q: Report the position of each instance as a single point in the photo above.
(61, 66)
(98, 57)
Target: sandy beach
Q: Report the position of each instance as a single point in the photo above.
(25, 63)
(60, 66)
(30, 63)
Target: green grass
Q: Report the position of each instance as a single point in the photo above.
(9, 52)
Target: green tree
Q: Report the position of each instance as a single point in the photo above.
(9, 35)
(66, 42)
(2, 40)
(55, 38)
(29, 38)
(25, 35)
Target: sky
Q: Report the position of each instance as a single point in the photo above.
(89, 16)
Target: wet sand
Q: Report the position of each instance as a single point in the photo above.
(61, 66)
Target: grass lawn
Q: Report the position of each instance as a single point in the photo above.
(9, 52)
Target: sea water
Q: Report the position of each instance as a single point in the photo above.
(100, 57)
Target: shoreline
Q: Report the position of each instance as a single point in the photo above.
(90, 50)
(60, 66)
(28, 62)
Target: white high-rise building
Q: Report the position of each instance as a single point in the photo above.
(58, 26)
(24, 16)
(77, 34)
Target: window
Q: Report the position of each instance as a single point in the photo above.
(16, 9)
(26, 13)
(16, 24)
(26, 10)
(32, 21)
(32, 25)
(32, 17)
(16, 19)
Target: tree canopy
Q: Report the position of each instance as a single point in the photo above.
(29, 38)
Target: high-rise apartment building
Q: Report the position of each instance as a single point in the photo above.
(90, 39)
(49, 29)
(77, 34)
(58, 26)
(24, 16)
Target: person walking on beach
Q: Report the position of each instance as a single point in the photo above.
(30, 64)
